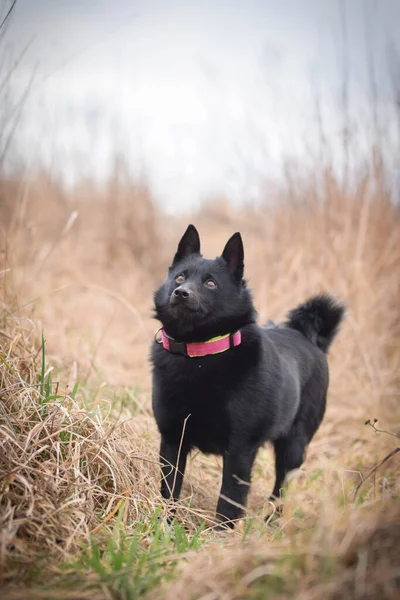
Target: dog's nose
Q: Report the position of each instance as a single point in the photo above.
(181, 292)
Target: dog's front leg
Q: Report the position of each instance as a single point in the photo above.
(173, 462)
(235, 484)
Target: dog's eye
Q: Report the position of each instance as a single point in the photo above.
(180, 278)
(210, 283)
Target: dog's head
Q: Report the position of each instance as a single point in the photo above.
(203, 298)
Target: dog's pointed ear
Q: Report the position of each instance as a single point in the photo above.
(189, 244)
(233, 255)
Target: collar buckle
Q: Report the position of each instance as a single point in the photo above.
(177, 347)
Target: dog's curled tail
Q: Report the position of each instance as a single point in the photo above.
(318, 319)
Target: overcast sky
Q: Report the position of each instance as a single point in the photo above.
(203, 97)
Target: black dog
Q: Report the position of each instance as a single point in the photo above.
(252, 384)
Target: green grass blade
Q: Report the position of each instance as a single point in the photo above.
(74, 390)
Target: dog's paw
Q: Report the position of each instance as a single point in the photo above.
(275, 512)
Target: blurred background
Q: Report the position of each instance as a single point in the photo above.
(199, 98)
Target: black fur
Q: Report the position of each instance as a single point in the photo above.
(270, 388)
(318, 320)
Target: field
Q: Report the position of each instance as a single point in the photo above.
(80, 510)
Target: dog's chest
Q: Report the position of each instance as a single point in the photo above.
(194, 401)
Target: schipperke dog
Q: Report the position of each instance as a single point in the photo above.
(224, 384)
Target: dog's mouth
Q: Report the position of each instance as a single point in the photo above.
(188, 309)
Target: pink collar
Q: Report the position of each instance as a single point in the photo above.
(213, 346)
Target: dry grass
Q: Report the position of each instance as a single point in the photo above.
(84, 265)
(61, 465)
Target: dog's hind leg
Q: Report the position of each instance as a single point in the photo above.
(289, 455)
(290, 449)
